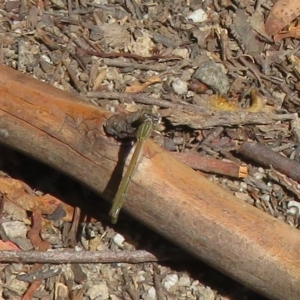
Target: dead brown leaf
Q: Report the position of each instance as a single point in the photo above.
(138, 87)
(293, 32)
(19, 194)
(282, 13)
(8, 245)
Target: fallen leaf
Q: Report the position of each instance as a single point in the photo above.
(8, 245)
(138, 87)
(281, 14)
(295, 61)
(21, 195)
(293, 32)
(99, 79)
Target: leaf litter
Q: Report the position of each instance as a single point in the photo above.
(125, 55)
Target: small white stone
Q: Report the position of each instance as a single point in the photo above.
(46, 58)
(184, 281)
(152, 293)
(258, 175)
(293, 207)
(198, 15)
(14, 229)
(261, 170)
(99, 291)
(179, 86)
(170, 281)
(243, 186)
(118, 239)
(206, 293)
(140, 278)
(16, 285)
(293, 210)
(265, 198)
(78, 248)
(182, 52)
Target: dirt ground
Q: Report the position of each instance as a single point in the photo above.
(175, 55)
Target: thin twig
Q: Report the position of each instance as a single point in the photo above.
(129, 286)
(139, 98)
(74, 227)
(130, 55)
(123, 64)
(157, 282)
(267, 157)
(77, 83)
(211, 165)
(69, 256)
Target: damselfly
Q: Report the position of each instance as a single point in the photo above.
(148, 121)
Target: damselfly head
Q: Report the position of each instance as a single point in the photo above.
(125, 125)
(153, 114)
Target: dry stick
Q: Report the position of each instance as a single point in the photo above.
(78, 84)
(201, 118)
(211, 165)
(129, 288)
(131, 55)
(267, 157)
(122, 64)
(71, 256)
(33, 287)
(39, 274)
(139, 98)
(196, 116)
(287, 182)
(71, 238)
(158, 282)
(234, 237)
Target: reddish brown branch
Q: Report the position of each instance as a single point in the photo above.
(211, 164)
(267, 157)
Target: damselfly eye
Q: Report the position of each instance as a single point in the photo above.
(154, 116)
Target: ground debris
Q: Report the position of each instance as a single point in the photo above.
(203, 64)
